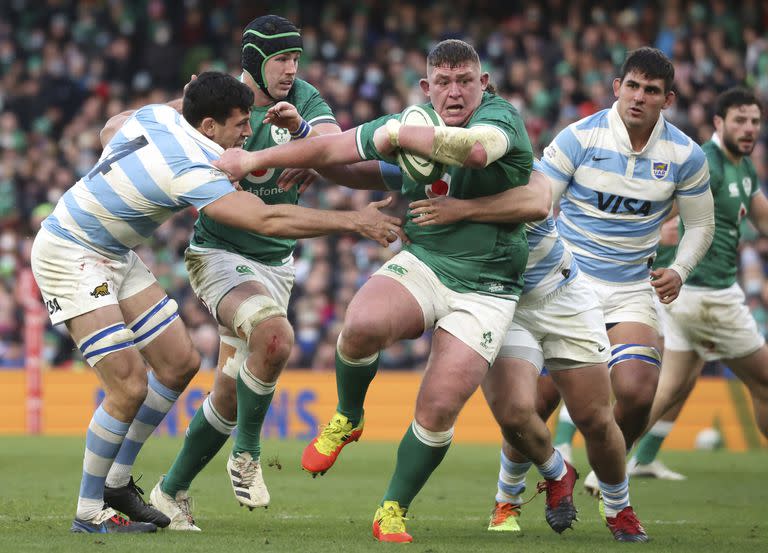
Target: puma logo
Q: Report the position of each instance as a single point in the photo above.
(101, 290)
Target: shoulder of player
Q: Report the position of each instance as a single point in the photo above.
(155, 112)
(494, 109)
(589, 131)
(597, 120)
(301, 91)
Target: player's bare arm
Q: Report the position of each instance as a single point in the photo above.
(320, 151)
(364, 175)
(531, 202)
(285, 115)
(244, 210)
(475, 147)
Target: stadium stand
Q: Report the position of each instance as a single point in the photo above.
(66, 66)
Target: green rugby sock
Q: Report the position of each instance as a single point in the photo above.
(253, 399)
(650, 444)
(566, 430)
(206, 435)
(419, 454)
(352, 380)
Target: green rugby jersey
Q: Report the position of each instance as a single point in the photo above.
(733, 187)
(665, 255)
(269, 250)
(470, 256)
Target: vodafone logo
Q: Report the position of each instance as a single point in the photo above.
(441, 187)
(260, 177)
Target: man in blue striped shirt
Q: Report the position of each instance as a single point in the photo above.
(155, 163)
(618, 173)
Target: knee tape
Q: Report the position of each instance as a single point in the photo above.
(253, 311)
(232, 364)
(150, 324)
(641, 352)
(98, 345)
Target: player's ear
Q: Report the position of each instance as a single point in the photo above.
(616, 86)
(208, 126)
(485, 78)
(669, 99)
(424, 84)
(719, 122)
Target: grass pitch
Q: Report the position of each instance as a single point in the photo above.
(719, 508)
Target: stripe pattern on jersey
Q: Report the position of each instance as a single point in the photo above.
(155, 165)
(615, 199)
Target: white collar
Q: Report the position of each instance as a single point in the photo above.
(200, 137)
(619, 130)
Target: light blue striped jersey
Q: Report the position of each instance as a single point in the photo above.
(550, 263)
(615, 199)
(155, 165)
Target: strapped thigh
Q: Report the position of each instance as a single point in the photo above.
(97, 345)
(627, 352)
(150, 324)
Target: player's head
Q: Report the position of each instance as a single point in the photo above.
(455, 81)
(218, 105)
(644, 87)
(738, 115)
(270, 54)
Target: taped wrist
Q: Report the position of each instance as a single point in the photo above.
(393, 130)
(303, 130)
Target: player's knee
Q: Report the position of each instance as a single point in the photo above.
(131, 393)
(517, 417)
(437, 413)
(272, 340)
(191, 365)
(592, 422)
(362, 335)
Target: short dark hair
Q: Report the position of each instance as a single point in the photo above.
(733, 97)
(452, 53)
(652, 64)
(215, 94)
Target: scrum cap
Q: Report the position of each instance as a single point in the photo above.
(266, 37)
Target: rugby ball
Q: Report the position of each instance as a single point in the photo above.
(420, 169)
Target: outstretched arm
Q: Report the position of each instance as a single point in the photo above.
(475, 147)
(246, 211)
(320, 151)
(531, 202)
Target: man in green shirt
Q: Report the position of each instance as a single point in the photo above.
(710, 320)
(245, 279)
(462, 280)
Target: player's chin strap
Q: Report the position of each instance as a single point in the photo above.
(150, 324)
(628, 352)
(97, 345)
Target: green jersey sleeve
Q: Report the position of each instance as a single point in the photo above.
(310, 104)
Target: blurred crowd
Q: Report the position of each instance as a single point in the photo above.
(66, 66)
